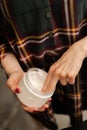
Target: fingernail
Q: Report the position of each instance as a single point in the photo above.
(17, 90)
(50, 99)
(47, 106)
(35, 111)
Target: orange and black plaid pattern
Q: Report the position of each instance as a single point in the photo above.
(38, 32)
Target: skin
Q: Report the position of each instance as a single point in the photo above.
(67, 67)
(15, 75)
(64, 70)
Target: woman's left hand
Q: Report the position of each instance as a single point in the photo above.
(67, 67)
(34, 109)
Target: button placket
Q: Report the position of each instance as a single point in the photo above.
(48, 15)
(51, 35)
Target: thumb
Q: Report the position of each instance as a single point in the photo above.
(13, 86)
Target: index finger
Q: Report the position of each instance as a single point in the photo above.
(50, 82)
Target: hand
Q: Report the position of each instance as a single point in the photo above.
(41, 109)
(67, 67)
(14, 79)
(12, 83)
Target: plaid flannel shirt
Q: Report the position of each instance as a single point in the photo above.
(38, 32)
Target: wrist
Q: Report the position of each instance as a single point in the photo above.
(10, 64)
(18, 70)
(84, 46)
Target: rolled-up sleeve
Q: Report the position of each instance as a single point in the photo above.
(5, 35)
(4, 47)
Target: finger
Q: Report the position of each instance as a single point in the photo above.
(62, 78)
(44, 107)
(17, 90)
(45, 86)
(71, 75)
(29, 109)
(71, 80)
(11, 85)
(63, 81)
(51, 81)
(50, 86)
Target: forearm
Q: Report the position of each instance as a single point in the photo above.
(10, 64)
(81, 46)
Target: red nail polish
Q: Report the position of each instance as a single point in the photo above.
(17, 90)
(35, 111)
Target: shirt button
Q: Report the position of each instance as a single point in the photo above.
(50, 35)
(48, 15)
